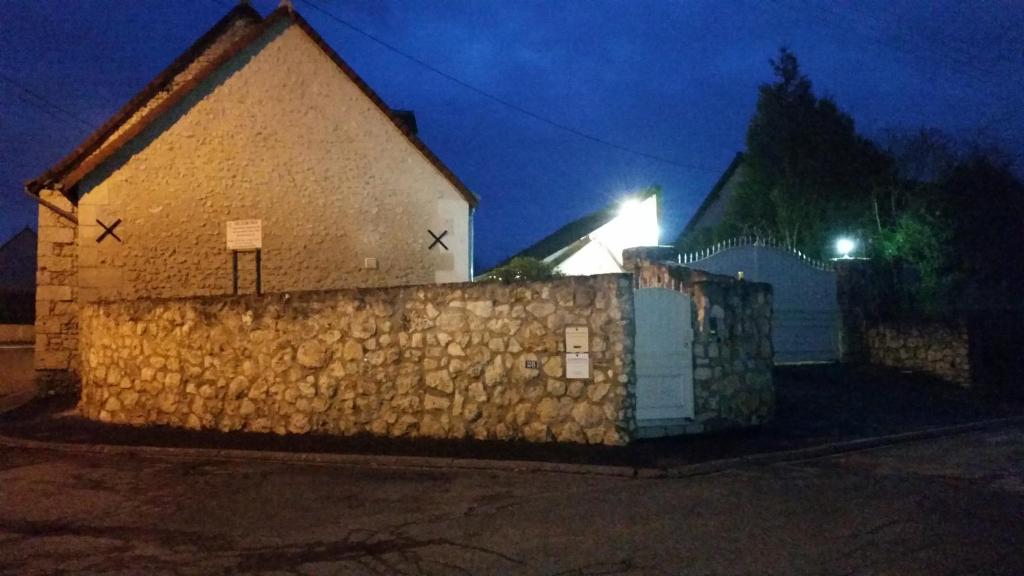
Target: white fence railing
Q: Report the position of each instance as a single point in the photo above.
(698, 255)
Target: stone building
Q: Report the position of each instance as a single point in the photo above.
(259, 120)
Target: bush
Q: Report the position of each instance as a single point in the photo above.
(523, 269)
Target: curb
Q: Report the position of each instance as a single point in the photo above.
(825, 450)
(359, 460)
(471, 464)
(14, 400)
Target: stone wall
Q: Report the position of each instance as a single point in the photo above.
(56, 329)
(870, 333)
(732, 347)
(462, 360)
(859, 290)
(935, 348)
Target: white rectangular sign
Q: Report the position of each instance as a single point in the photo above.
(245, 234)
(577, 366)
(577, 339)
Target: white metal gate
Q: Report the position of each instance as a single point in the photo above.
(664, 357)
(805, 314)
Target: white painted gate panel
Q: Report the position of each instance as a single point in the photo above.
(664, 356)
(805, 311)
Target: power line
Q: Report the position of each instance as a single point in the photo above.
(983, 74)
(952, 47)
(508, 104)
(953, 58)
(52, 106)
(966, 67)
(17, 98)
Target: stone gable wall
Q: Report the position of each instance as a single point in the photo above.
(56, 326)
(934, 348)
(235, 31)
(478, 360)
(732, 345)
(281, 135)
(56, 330)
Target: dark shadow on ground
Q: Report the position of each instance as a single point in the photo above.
(816, 405)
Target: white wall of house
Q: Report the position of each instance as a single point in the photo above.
(636, 225)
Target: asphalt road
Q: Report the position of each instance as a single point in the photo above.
(941, 507)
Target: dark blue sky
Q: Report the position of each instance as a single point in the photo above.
(674, 79)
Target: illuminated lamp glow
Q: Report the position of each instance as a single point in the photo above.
(636, 227)
(844, 246)
(630, 207)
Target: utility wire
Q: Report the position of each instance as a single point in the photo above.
(983, 74)
(506, 103)
(51, 106)
(954, 48)
(966, 64)
(966, 68)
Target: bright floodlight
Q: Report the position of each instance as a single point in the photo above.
(629, 207)
(844, 246)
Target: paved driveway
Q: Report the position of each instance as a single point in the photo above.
(941, 507)
(16, 375)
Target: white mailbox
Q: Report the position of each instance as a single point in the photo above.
(577, 366)
(577, 339)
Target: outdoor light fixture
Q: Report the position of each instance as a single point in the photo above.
(637, 223)
(629, 207)
(844, 246)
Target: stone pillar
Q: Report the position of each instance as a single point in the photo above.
(56, 348)
(631, 257)
(854, 293)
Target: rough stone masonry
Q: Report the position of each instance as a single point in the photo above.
(936, 348)
(732, 346)
(451, 361)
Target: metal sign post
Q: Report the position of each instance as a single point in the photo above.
(234, 272)
(259, 272)
(245, 236)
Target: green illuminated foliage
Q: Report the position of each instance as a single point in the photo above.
(523, 269)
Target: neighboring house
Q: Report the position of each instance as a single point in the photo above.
(18, 278)
(711, 211)
(594, 243)
(805, 311)
(259, 120)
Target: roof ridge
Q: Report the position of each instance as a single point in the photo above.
(16, 235)
(713, 194)
(82, 161)
(101, 135)
(596, 219)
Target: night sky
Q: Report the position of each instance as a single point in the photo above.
(674, 80)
